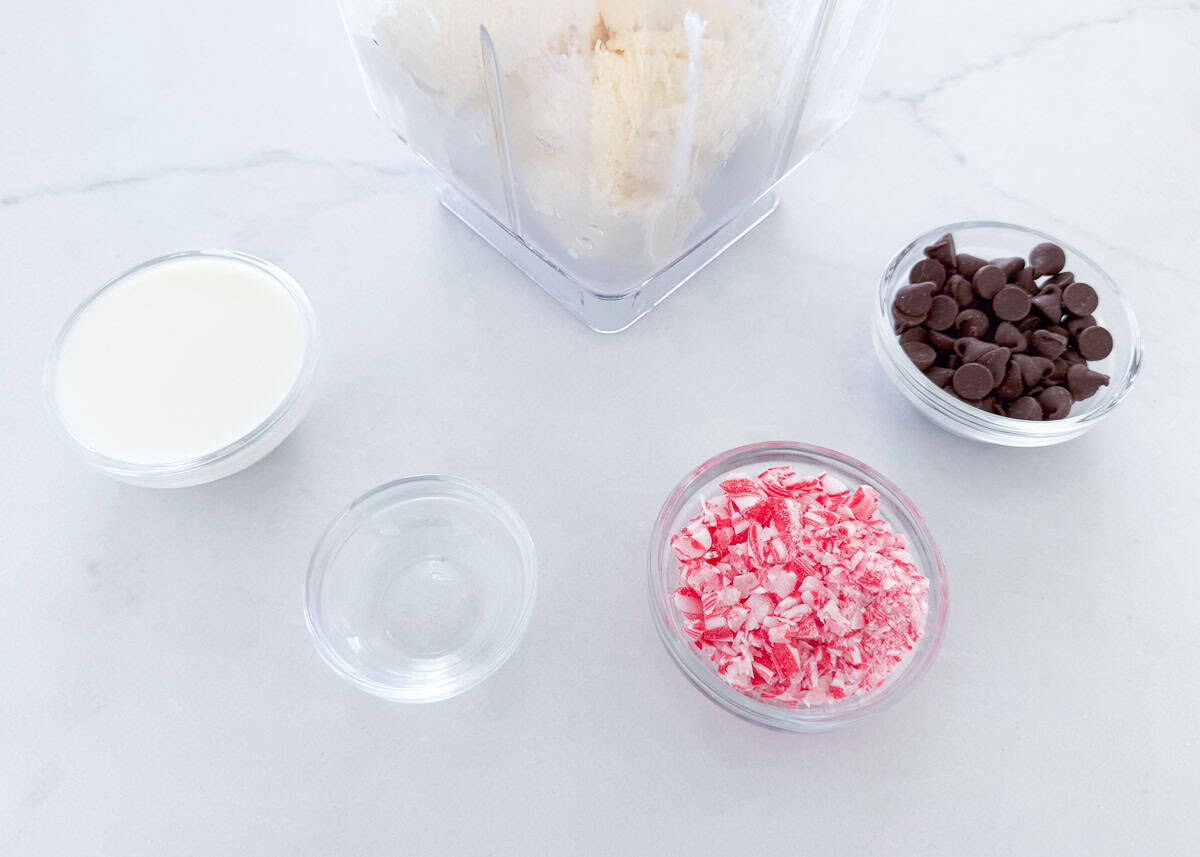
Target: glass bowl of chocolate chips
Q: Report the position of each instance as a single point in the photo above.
(1005, 334)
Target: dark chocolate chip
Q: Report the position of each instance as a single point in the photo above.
(1094, 343)
(942, 251)
(970, 348)
(1049, 303)
(1061, 280)
(973, 381)
(1073, 357)
(1047, 344)
(940, 375)
(1077, 325)
(928, 270)
(1080, 299)
(1059, 329)
(920, 354)
(940, 341)
(1025, 408)
(1011, 303)
(1059, 375)
(959, 288)
(1012, 386)
(1026, 281)
(988, 281)
(942, 313)
(914, 334)
(996, 362)
(904, 322)
(915, 300)
(1008, 336)
(1034, 370)
(1010, 265)
(1029, 324)
(1055, 402)
(1083, 382)
(1046, 259)
(971, 322)
(968, 265)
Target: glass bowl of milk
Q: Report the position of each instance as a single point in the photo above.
(185, 369)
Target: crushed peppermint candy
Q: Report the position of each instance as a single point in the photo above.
(796, 589)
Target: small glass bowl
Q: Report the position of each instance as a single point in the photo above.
(684, 503)
(990, 240)
(232, 458)
(421, 589)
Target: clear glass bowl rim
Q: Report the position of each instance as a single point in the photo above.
(193, 466)
(346, 524)
(778, 716)
(979, 423)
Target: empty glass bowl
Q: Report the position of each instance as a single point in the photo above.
(990, 240)
(421, 589)
(704, 482)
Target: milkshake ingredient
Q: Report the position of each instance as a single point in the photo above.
(796, 589)
(988, 333)
(178, 360)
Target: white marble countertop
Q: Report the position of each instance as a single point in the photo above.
(160, 695)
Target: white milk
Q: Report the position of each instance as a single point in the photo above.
(179, 360)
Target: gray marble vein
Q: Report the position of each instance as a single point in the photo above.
(253, 162)
(1030, 44)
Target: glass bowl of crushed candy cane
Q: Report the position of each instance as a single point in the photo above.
(795, 586)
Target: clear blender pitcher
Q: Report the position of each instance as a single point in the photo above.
(613, 148)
